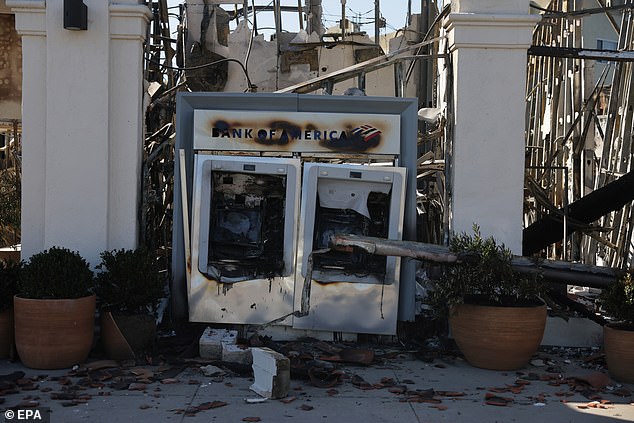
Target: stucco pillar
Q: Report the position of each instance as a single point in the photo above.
(488, 40)
(128, 26)
(82, 125)
(30, 22)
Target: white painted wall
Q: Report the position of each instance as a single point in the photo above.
(82, 125)
(488, 43)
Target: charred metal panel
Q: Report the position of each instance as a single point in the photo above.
(333, 218)
(246, 226)
(10, 69)
(351, 291)
(244, 235)
(296, 132)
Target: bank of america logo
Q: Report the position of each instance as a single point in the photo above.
(367, 132)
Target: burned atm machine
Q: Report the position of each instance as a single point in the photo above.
(269, 179)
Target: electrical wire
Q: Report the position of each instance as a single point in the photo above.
(204, 65)
(444, 12)
(246, 58)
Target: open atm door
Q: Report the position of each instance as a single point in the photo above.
(244, 239)
(351, 291)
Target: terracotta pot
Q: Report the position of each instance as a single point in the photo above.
(54, 334)
(115, 344)
(6, 333)
(123, 335)
(498, 338)
(619, 352)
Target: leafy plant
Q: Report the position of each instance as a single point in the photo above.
(9, 276)
(56, 273)
(489, 279)
(618, 299)
(129, 281)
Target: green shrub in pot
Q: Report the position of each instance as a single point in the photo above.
(495, 314)
(56, 273)
(129, 281)
(54, 310)
(129, 286)
(618, 301)
(487, 278)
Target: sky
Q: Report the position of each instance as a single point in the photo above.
(394, 12)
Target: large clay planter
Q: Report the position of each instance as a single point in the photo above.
(6, 333)
(54, 334)
(497, 338)
(619, 352)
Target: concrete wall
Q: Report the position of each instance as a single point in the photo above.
(82, 125)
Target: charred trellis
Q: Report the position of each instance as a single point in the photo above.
(163, 81)
(578, 135)
(10, 181)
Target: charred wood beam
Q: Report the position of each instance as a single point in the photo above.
(582, 53)
(556, 299)
(550, 229)
(552, 270)
(389, 247)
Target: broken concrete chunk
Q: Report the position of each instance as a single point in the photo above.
(272, 374)
(212, 371)
(236, 354)
(211, 341)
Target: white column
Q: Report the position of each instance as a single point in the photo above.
(82, 123)
(488, 41)
(77, 131)
(30, 22)
(128, 26)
